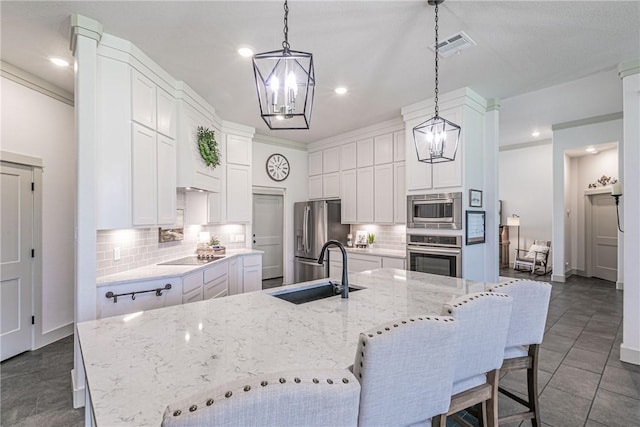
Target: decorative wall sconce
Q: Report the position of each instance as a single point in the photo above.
(514, 221)
(616, 192)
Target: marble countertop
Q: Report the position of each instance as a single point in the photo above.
(136, 365)
(392, 253)
(155, 271)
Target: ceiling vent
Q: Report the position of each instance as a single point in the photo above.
(454, 43)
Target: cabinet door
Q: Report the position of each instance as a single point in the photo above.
(234, 283)
(383, 194)
(358, 263)
(365, 200)
(399, 145)
(143, 100)
(166, 180)
(238, 193)
(418, 173)
(315, 187)
(216, 288)
(238, 150)
(348, 199)
(252, 278)
(399, 193)
(195, 208)
(348, 156)
(315, 163)
(214, 210)
(383, 149)
(449, 174)
(331, 185)
(144, 175)
(166, 114)
(331, 160)
(364, 153)
(335, 270)
(193, 296)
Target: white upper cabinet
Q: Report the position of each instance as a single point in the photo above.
(331, 185)
(365, 195)
(166, 113)
(348, 196)
(383, 149)
(143, 100)
(365, 153)
(239, 194)
(383, 194)
(315, 163)
(348, 156)
(398, 146)
(238, 150)
(331, 160)
(399, 193)
(166, 187)
(145, 172)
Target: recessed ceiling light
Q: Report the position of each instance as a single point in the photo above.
(590, 150)
(535, 134)
(340, 90)
(59, 62)
(245, 51)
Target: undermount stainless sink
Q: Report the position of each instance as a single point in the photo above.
(312, 293)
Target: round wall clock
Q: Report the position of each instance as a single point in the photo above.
(277, 167)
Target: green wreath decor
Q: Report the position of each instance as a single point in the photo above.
(208, 147)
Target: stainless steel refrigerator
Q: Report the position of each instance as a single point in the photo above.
(314, 224)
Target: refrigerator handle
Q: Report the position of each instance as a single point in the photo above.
(305, 229)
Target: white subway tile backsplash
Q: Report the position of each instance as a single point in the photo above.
(386, 236)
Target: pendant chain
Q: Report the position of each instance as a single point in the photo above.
(285, 43)
(437, 49)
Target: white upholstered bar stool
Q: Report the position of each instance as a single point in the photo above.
(320, 397)
(405, 369)
(483, 322)
(528, 318)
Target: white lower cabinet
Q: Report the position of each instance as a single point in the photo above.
(192, 287)
(388, 262)
(251, 273)
(234, 283)
(357, 263)
(108, 307)
(216, 280)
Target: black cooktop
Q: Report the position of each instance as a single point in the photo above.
(190, 260)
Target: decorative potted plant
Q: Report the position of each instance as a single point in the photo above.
(208, 147)
(372, 238)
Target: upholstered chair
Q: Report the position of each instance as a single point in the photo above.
(528, 318)
(483, 322)
(321, 397)
(405, 369)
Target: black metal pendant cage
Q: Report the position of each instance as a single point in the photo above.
(436, 140)
(285, 82)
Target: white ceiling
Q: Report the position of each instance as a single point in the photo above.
(378, 49)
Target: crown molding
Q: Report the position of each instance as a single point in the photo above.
(24, 78)
(629, 68)
(525, 145)
(279, 142)
(587, 121)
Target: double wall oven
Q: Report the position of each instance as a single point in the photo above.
(439, 253)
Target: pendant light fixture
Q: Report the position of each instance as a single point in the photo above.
(436, 140)
(285, 81)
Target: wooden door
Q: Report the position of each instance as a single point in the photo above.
(604, 237)
(16, 218)
(267, 233)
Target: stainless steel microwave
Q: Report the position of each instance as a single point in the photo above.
(442, 210)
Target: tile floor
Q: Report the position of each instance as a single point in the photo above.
(581, 379)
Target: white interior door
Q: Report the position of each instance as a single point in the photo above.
(604, 241)
(267, 232)
(16, 225)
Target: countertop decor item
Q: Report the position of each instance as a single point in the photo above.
(278, 167)
(361, 239)
(371, 238)
(285, 82)
(208, 147)
(436, 140)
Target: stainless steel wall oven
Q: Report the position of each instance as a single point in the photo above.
(440, 255)
(442, 210)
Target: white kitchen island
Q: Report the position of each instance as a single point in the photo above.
(137, 364)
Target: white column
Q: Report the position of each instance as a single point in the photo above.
(630, 347)
(85, 35)
(491, 145)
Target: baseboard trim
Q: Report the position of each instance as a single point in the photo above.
(78, 392)
(620, 286)
(558, 278)
(629, 355)
(53, 335)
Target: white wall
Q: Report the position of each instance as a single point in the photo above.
(564, 139)
(295, 187)
(525, 183)
(37, 125)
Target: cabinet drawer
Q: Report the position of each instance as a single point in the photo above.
(191, 282)
(251, 260)
(388, 262)
(195, 295)
(215, 271)
(217, 288)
